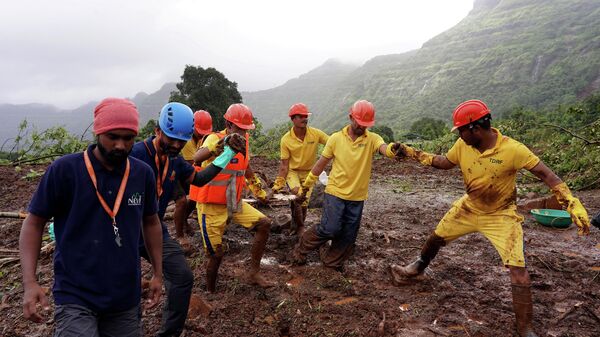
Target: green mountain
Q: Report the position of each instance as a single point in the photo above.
(534, 53)
(315, 88)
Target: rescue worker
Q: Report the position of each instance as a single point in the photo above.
(220, 203)
(298, 151)
(183, 205)
(351, 150)
(489, 162)
(101, 200)
(161, 153)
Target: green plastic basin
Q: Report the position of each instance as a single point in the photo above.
(552, 217)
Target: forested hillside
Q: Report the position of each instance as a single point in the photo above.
(532, 53)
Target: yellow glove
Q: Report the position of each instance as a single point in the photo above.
(392, 149)
(420, 156)
(255, 186)
(309, 182)
(278, 184)
(574, 207)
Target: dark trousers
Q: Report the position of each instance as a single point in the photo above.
(340, 222)
(72, 320)
(178, 280)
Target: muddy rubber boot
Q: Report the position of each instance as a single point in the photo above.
(309, 241)
(334, 256)
(523, 308)
(304, 212)
(212, 269)
(429, 251)
(297, 218)
(256, 253)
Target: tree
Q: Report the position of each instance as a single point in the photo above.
(147, 130)
(429, 128)
(207, 89)
(385, 132)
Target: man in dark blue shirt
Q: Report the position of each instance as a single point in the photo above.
(161, 152)
(100, 200)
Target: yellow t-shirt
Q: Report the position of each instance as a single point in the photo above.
(351, 169)
(490, 177)
(302, 155)
(190, 148)
(210, 142)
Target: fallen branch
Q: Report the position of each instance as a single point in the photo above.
(13, 215)
(592, 313)
(7, 260)
(547, 265)
(436, 331)
(588, 142)
(588, 186)
(570, 311)
(25, 161)
(47, 249)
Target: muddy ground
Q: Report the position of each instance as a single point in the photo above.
(465, 292)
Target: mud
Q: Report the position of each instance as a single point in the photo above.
(464, 292)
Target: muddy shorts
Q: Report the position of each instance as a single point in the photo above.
(213, 221)
(503, 229)
(295, 179)
(181, 190)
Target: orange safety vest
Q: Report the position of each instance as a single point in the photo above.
(195, 190)
(194, 193)
(230, 180)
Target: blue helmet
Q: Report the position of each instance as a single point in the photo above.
(176, 120)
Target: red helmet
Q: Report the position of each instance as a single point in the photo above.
(202, 122)
(240, 115)
(468, 112)
(299, 109)
(363, 112)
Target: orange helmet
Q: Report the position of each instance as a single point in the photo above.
(202, 122)
(299, 109)
(363, 112)
(240, 115)
(468, 112)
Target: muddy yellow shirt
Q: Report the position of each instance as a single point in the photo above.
(351, 169)
(490, 177)
(190, 148)
(210, 142)
(302, 154)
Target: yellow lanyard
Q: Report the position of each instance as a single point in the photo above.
(159, 180)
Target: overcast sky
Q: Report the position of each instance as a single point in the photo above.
(68, 52)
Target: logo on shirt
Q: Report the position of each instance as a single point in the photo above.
(234, 161)
(495, 161)
(311, 142)
(135, 199)
(172, 177)
(362, 145)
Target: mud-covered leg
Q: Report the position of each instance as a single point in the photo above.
(428, 252)
(212, 268)
(261, 236)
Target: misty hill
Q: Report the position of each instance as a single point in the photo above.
(77, 120)
(534, 53)
(315, 88)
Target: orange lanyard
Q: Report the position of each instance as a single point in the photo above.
(159, 180)
(112, 213)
